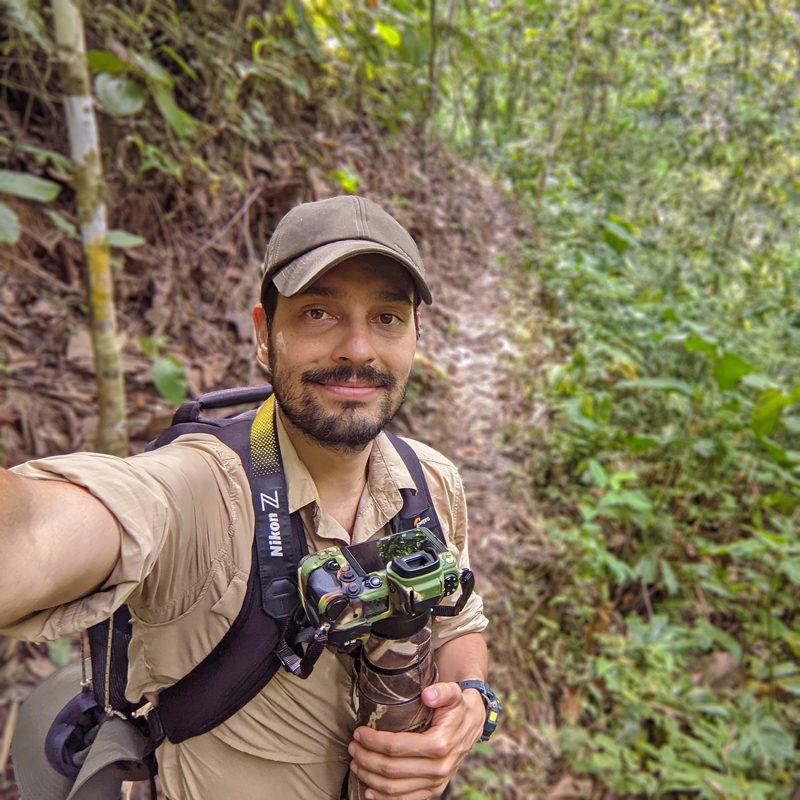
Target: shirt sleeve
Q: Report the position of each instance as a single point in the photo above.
(447, 493)
(174, 506)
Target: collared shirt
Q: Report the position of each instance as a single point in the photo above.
(186, 522)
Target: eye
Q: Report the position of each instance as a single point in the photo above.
(317, 313)
(388, 319)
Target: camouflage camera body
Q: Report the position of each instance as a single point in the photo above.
(348, 589)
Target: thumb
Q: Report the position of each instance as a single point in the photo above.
(439, 695)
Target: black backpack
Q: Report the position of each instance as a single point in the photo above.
(271, 615)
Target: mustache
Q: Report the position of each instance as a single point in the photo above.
(342, 374)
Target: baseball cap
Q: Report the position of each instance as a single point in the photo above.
(313, 237)
(117, 753)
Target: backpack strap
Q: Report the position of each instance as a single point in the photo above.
(235, 671)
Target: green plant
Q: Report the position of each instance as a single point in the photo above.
(169, 376)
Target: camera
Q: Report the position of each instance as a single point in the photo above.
(392, 583)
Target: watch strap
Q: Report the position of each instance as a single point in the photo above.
(493, 707)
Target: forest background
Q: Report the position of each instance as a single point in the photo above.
(644, 591)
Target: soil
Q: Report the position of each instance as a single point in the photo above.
(194, 282)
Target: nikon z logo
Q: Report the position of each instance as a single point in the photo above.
(273, 521)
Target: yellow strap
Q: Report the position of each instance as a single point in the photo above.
(264, 441)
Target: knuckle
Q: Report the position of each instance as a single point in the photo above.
(392, 748)
(442, 770)
(390, 769)
(439, 749)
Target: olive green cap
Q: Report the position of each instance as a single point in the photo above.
(313, 237)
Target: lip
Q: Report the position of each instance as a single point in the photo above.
(350, 391)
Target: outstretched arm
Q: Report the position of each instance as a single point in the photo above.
(57, 543)
(417, 766)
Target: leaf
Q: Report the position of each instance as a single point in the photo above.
(119, 95)
(662, 384)
(618, 234)
(639, 443)
(775, 451)
(598, 473)
(120, 238)
(389, 34)
(668, 575)
(768, 740)
(730, 369)
(635, 499)
(170, 380)
(153, 71)
(180, 61)
(60, 651)
(184, 125)
(63, 224)
(105, 61)
(42, 155)
(9, 225)
(24, 17)
(699, 344)
(30, 187)
(347, 179)
(767, 411)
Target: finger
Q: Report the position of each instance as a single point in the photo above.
(398, 745)
(439, 695)
(394, 768)
(380, 787)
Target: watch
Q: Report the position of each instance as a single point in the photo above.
(493, 707)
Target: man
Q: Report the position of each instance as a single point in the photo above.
(170, 531)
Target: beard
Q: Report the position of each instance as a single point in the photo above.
(353, 427)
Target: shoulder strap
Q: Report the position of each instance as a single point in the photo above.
(418, 507)
(236, 670)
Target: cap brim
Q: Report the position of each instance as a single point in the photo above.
(35, 777)
(118, 743)
(299, 274)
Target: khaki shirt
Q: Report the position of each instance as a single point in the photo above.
(186, 521)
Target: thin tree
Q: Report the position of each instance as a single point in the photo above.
(90, 190)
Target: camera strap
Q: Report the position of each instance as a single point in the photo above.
(235, 671)
(418, 508)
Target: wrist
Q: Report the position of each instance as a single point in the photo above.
(476, 712)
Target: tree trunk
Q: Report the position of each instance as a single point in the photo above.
(90, 190)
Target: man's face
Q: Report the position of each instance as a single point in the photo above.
(341, 351)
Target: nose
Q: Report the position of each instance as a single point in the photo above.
(354, 345)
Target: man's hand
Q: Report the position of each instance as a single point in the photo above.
(417, 766)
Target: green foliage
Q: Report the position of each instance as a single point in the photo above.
(657, 151)
(25, 186)
(169, 375)
(60, 651)
(30, 187)
(9, 225)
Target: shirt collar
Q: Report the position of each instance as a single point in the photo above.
(387, 475)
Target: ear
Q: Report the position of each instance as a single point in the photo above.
(417, 322)
(261, 331)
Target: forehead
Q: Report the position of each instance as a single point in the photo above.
(364, 275)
